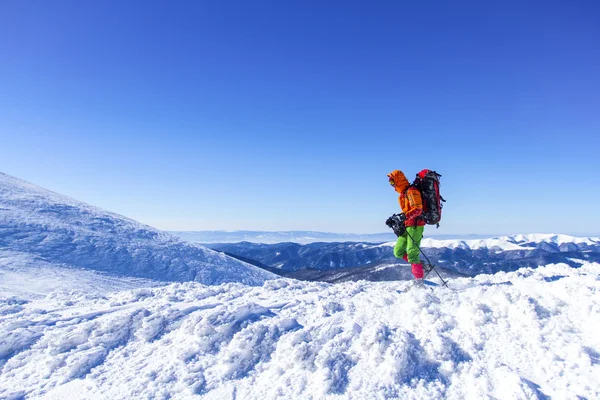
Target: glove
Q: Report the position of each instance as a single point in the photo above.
(390, 222)
(395, 220)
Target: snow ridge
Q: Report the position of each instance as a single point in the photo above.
(507, 243)
(65, 231)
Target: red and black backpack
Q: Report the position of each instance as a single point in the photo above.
(428, 182)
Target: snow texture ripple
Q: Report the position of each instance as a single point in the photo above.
(529, 334)
(62, 231)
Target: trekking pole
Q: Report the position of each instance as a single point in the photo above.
(432, 266)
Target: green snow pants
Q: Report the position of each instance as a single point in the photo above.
(405, 245)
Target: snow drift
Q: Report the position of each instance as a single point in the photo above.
(64, 231)
(530, 334)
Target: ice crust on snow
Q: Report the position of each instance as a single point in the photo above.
(527, 334)
(63, 231)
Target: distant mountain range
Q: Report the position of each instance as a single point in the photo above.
(463, 257)
(301, 237)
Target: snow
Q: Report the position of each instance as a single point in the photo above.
(552, 238)
(30, 278)
(498, 243)
(89, 310)
(62, 231)
(506, 243)
(519, 335)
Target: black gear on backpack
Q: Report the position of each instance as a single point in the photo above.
(428, 183)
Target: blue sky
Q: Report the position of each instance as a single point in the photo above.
(287, 115)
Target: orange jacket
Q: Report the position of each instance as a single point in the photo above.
(410, 200)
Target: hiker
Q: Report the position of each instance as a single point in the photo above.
(407, 245)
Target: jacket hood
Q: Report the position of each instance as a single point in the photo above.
(399, 179)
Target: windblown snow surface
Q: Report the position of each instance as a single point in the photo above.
(39, 224)
(529, 334)
(29, 277)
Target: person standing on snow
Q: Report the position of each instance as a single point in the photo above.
(407, 245)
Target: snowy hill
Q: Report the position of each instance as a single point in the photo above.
(530, 334)
(86, 313)
(30, 277)
(64, 232)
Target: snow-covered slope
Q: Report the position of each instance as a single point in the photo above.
(30, 277)
(530, 334)
(61, 230)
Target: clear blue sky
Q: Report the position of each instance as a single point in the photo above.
(287, 115)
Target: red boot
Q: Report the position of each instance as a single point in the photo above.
(405, 257)
(417, 271)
